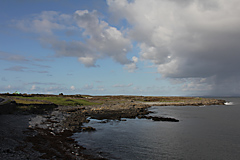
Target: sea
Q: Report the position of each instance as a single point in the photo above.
(203, 133)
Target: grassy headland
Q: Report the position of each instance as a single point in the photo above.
(29, 101)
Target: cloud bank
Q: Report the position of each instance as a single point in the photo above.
(193, 41)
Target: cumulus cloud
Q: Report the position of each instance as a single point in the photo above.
(45, 22)
(132, 66)
(54, 89)
(9, 87)
(189, 39)
(88, 61)
(101, 88)
(88, 87)
(96, 38)
(72, 88)
(33, 87)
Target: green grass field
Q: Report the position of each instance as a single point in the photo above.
(62, 101)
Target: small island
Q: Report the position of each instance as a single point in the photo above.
(54, 118)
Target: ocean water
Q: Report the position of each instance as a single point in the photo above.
(203, 133)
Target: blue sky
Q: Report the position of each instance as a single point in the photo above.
(138, 47)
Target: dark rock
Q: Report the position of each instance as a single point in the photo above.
(164, 119)
(8, 107)
(167, 119)
(88, 129)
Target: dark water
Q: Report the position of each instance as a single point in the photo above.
(209, 132)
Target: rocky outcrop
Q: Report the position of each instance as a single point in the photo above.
(7, 107)
(155, 118)
(75, 120)
(117, 114)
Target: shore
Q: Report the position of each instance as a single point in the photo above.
(28, 135)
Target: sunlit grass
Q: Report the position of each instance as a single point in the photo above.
(63, 101)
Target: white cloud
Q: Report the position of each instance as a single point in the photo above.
(132, 66)
(87, 61)
(72, 88)
(106, 40)
(88, 87)
(55, 89)
(101, 88)
(33, 87)
(97, 38)
(9, 87)
(186, 39)
(44, 23)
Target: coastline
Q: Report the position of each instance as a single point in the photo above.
(48, 135)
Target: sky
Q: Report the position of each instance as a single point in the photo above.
(120, 47)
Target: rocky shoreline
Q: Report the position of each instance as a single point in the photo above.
(57, 127)
(49, 133)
